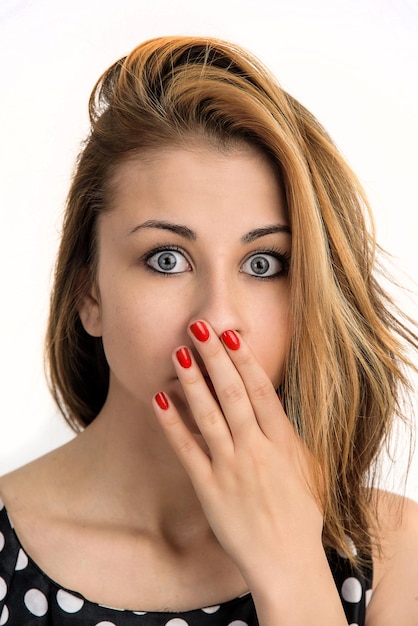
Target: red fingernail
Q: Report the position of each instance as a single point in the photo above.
(200, 331)
(161, 400)
(184, 358)
(231, 340)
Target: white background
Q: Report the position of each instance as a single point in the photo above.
(353, 63)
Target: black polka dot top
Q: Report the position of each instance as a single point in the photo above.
(28, 597)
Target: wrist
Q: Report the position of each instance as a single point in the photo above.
(296, 589)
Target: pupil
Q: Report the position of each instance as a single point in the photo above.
(260, 265)
(167, 261)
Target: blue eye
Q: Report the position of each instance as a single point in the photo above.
(168, 262)
(264, 265)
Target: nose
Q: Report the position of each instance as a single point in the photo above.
(220, 301)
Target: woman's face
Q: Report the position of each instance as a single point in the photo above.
(192, 234)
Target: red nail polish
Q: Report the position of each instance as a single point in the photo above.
(161, 400)
(231, 340)
(200, 331)
(184, 358)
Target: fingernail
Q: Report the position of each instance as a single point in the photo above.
(184, 358)
(200, 331)
(231, 340)
(161, 400)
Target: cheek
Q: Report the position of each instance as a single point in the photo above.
(273, 339)
(275, 355)
(141, 328)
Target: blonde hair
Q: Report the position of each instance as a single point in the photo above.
(345, 367)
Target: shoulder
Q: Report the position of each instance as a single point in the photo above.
(19, 487)
(33, 503)
(6, 529)
(394, 599)
(34, 487)
(9, 556)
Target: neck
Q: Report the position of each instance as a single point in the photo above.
(125, 460)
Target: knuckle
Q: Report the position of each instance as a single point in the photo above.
(261, 389)
(213, 351)
(245, 358)
(185, 446)
(210, 417)
(192, 380)
(172, 421)
(234, 392)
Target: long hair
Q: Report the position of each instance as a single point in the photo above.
(346, 364)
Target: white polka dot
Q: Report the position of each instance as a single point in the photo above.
(2, 541)
(351, 590)
(353, 624)
(36, 602)
(237, 622)
(369, 594)
(68, 602)
(3, 588)
(139, 612)
(176, 622)
(105, 624)
(4, 616)
(22, 560)
(211, 609)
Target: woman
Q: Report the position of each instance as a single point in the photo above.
(219, 341)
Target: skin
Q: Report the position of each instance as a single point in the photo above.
(143, 315)
(147, 494)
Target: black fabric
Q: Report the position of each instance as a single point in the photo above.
(28, 597)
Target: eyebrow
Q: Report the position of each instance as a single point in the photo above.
(188, 233)
(252, 235)
(183, 231)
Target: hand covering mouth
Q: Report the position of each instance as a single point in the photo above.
(205, 374)
(211, 387)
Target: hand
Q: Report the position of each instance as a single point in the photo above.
(255, 479)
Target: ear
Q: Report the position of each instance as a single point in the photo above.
(90, 312)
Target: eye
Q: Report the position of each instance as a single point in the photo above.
(265, 265)
(168, 262)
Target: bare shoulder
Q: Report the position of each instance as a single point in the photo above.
(395, 598)
(22, 487)
(35, 494)
(16, 487)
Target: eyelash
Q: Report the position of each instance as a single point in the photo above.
(282, 257)
(167, 248)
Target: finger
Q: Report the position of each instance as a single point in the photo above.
(267, 407)
(227, 381)
(203, 405)
(192, 457)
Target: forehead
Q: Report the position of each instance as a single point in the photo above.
(199, 185)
